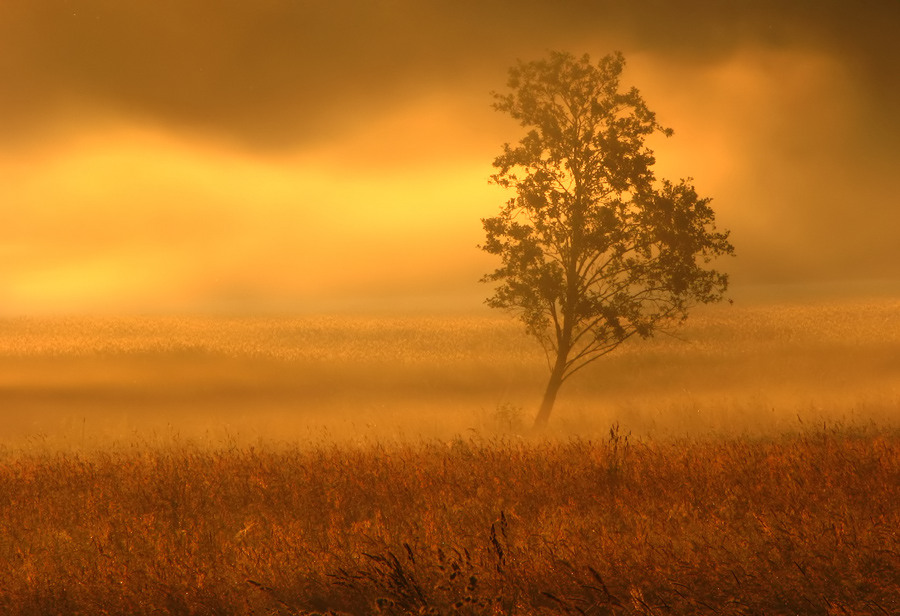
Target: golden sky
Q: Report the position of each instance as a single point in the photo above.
(291, 155)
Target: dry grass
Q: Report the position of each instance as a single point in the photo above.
(287, 466)
(801, 524)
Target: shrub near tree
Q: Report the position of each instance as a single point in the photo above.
(594, 248)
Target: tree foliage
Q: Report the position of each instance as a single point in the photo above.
(594, 248)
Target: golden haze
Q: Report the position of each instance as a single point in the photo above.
(109, 212)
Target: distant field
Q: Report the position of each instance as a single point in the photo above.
(88, 382)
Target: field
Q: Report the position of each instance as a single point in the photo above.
(85, 383)
(380, 465)
(806, 524)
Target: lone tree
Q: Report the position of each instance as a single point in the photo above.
(594, 249)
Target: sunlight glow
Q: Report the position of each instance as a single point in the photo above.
(135, 218)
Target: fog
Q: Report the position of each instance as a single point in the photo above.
(99, 382)
(293, 157)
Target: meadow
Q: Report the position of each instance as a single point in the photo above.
(84, 383)
(801, 524)
(381, 465)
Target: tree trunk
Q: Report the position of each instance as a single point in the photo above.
(553, 385)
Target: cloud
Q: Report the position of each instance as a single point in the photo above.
(193, 154)
(288, 73)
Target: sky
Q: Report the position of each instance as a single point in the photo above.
(302, 156)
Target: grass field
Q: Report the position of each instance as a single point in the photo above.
(379, 466)
(801, 524)
(92, 382)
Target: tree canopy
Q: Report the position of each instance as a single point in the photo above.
(594, 248)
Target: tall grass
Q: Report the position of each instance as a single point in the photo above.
(299, 465)
(799, 524)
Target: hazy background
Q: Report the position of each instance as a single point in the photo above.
(290, 155)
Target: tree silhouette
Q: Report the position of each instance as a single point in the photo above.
(594, 249)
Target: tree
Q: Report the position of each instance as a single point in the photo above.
(594, 249)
